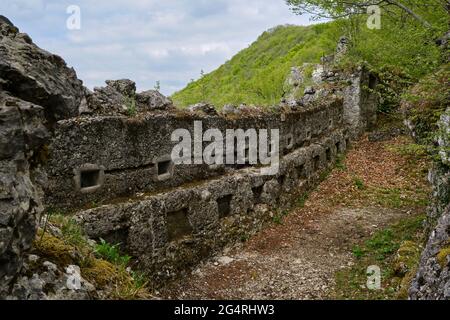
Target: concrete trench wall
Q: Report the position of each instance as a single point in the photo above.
(105, 170)
(360, 102)
(124, 153)
(172, 231)
(168, 225)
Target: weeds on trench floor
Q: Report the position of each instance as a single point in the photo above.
(385, 249)
(359, 183)
(340, 163)
(278, 218)
(301, 201)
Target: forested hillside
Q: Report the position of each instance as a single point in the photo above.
(401, 52)
(256, 74)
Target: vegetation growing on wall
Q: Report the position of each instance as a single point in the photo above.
(426, 102)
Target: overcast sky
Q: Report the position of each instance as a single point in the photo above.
(147, 40)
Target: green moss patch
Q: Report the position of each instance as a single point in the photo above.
(396, 250)
(442, 256)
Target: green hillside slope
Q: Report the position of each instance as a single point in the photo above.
(256, 74)
(401, 52)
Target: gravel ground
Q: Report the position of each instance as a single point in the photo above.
(299, 258)
(300, 266)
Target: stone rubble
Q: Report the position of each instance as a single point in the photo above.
(43, 280)
(205, 108)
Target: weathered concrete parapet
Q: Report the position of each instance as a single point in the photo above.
(170, 231)
(167, 216)
(360, 103)
(357, 89)
(135, 153)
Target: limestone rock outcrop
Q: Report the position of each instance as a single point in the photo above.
(432, 281)
(22, 139)
(36, 90)
(37, 76)
(433, 278)
(444, 138)
(152, 100)
(50, 282)
(115, 98)
(205, 108)
(120, 97)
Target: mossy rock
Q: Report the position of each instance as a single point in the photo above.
(408, 249)
(442, 257)
(54, 249)
(100, 272)
(405, 285)
(406, 263)
(407, 258)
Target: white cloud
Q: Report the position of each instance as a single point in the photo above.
(148, 40)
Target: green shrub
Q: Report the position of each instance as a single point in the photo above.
(71, 231)
(302, 200)
(359, 183)
(111, 253)
(131, 106)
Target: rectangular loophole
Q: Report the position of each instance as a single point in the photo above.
(224, 205)
(118, 237)
(347, 143)
(178, 224)
(301, 172)
(281, 180)
(316, 163)
(373, 81)
(328, 152)
(164, 167)
(257, 193)
(89, 179)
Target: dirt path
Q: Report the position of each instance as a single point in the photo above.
(375, 187)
